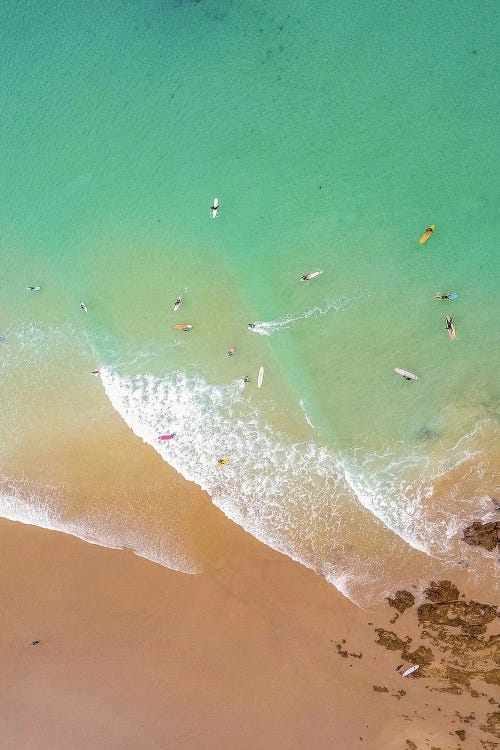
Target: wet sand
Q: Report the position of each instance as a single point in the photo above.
(256, 652)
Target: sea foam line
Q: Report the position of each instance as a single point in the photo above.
(300, 499)
(35, 504)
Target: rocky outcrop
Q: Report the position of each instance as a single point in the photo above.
(459, 650)
(442, 591)
(401, 600)
(471, 617)
(390, 640)
(485, 535)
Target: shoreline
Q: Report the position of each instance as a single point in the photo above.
(256, 652)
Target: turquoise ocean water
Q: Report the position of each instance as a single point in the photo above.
(332, 136)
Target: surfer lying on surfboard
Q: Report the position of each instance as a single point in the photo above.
(309, 276)
(177, 302)
(34, 288)
(428, 232)
(451, 295)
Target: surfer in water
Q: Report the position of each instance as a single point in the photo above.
(246, 379)
(452, 295)
(251, 325)
(34, 288)
(215, 208)
(231, 351)
(449, 323)
(177, 302)
(83, 306)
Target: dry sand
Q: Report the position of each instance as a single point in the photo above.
(257, 652)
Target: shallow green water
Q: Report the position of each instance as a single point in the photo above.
(332, 136)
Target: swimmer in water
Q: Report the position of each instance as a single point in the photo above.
(452, 295)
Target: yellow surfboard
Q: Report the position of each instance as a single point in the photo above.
(221, 462)
(427, 234)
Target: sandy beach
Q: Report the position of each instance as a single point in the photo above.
(256, 652)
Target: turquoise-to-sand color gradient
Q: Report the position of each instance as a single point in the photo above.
(332, 135)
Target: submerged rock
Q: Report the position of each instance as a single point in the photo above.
(485, 535)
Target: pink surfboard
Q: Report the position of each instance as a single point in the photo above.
(165, 437)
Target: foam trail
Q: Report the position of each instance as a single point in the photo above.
(266, 328)
(302, 406)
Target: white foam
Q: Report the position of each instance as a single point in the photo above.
(34, 350)
(44, 506)
(398, 487)
(298, 498)
(266, 328)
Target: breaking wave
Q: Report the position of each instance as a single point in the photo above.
(321, 509)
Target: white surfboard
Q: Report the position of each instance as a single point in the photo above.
(83, 306)
(214, 207)
(260, 378)
(410, 670)
(407, 375)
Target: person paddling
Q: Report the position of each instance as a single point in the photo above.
(451, 295)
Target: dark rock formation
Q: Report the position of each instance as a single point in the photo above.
(390, 640)
(485, 535)
(442, 591)
(472, 617)
(402, 600)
